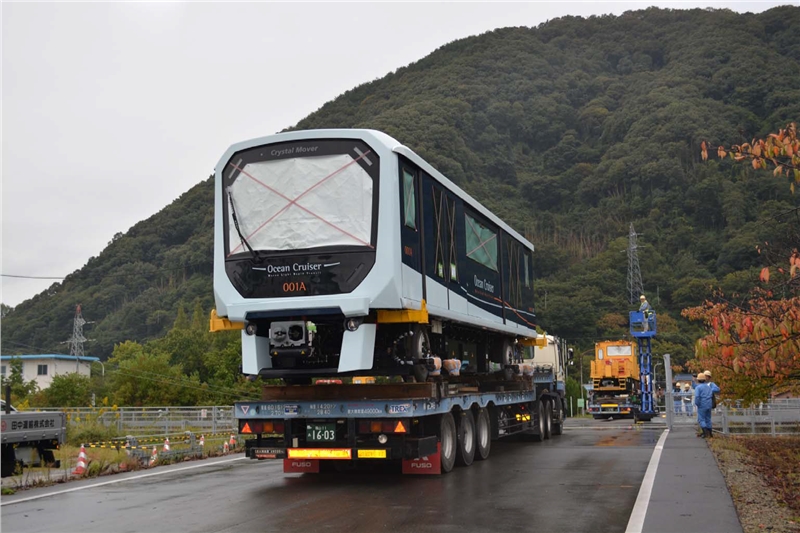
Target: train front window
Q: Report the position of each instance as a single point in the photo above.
(282, 203)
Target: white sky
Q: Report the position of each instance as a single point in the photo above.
(113, 110)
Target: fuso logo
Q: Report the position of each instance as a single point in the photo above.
(301, 464)
(421, 465)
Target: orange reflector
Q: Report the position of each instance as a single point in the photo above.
(400, 428)
(246, 428)
(268, 427)
(320, 453)
(375, 426)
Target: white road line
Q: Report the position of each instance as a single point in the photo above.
(636, 522)
(140, 476)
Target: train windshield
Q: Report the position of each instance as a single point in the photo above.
(301, 196)
(619, 350)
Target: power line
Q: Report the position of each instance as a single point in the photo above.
(158, 270)
(30, 277)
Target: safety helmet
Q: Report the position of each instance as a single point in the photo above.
(708, 374)
(701, 377)
(642, 297)
(686, 386)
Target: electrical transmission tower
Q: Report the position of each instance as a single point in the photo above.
(635, 287)
(77, 339)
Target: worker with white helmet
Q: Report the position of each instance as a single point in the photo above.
(646, 311)
(688, 398)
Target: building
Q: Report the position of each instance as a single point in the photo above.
(42, 368)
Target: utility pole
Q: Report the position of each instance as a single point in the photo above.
(635, 287)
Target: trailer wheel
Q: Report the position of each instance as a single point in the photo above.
(449, 442)
(540, 414)
(558, 424)
(548, 419)
(465, 451)
(483, 434)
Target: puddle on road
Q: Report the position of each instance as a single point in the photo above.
(630, 438)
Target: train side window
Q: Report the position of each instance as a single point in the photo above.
(481, 243)
(600, 353)
(409, 200)
(527, 270)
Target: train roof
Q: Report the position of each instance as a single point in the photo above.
(388, 141)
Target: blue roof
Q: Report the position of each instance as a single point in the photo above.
(48, 356)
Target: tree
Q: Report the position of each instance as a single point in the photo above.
(781, 150)
(753, 343)
(68, 390)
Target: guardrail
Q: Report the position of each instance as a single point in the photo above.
(159, 420)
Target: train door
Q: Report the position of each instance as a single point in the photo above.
(410, 234)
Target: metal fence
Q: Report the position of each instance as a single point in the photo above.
(154, 420)
(775, 419)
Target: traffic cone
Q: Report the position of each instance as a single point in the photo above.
(166, 444)
(154, 457)
(232, 441)
(202, 441)
(225, 448)
(81, 468)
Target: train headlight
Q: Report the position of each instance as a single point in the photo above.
(383, 439)
(352, 323)
(251, 329)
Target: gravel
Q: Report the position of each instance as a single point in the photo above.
(759, 506)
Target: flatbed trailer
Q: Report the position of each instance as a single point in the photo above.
(429, 427)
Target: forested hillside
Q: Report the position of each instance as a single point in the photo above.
(570, 132)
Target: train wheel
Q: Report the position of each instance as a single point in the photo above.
(465, 451)
(449, 442)
(420, 348)
(502, 351)
(483, 434)
(548, 420)
(420, 343)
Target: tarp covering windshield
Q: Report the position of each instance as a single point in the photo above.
(301, 203)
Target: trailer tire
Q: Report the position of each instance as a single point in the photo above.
(558, 425)
(483, 434)
(548, 420)
(540, 415)
(465, 451)
(448, 439)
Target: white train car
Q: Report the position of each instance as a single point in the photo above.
(343, 252)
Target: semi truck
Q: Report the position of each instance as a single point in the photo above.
(343, 254)
(29, 439)
(427, 427)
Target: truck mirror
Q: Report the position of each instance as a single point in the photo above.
(570, 354)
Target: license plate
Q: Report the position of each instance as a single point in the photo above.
(320, 432)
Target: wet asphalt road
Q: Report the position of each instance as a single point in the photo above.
(585, 480)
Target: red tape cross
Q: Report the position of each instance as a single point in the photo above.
(294, 202)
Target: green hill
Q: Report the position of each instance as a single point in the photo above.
(569, 131)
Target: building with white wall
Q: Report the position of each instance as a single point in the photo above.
(42, 368)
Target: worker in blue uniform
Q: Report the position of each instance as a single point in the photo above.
(703, 399)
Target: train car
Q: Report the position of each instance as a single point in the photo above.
(342, 252)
